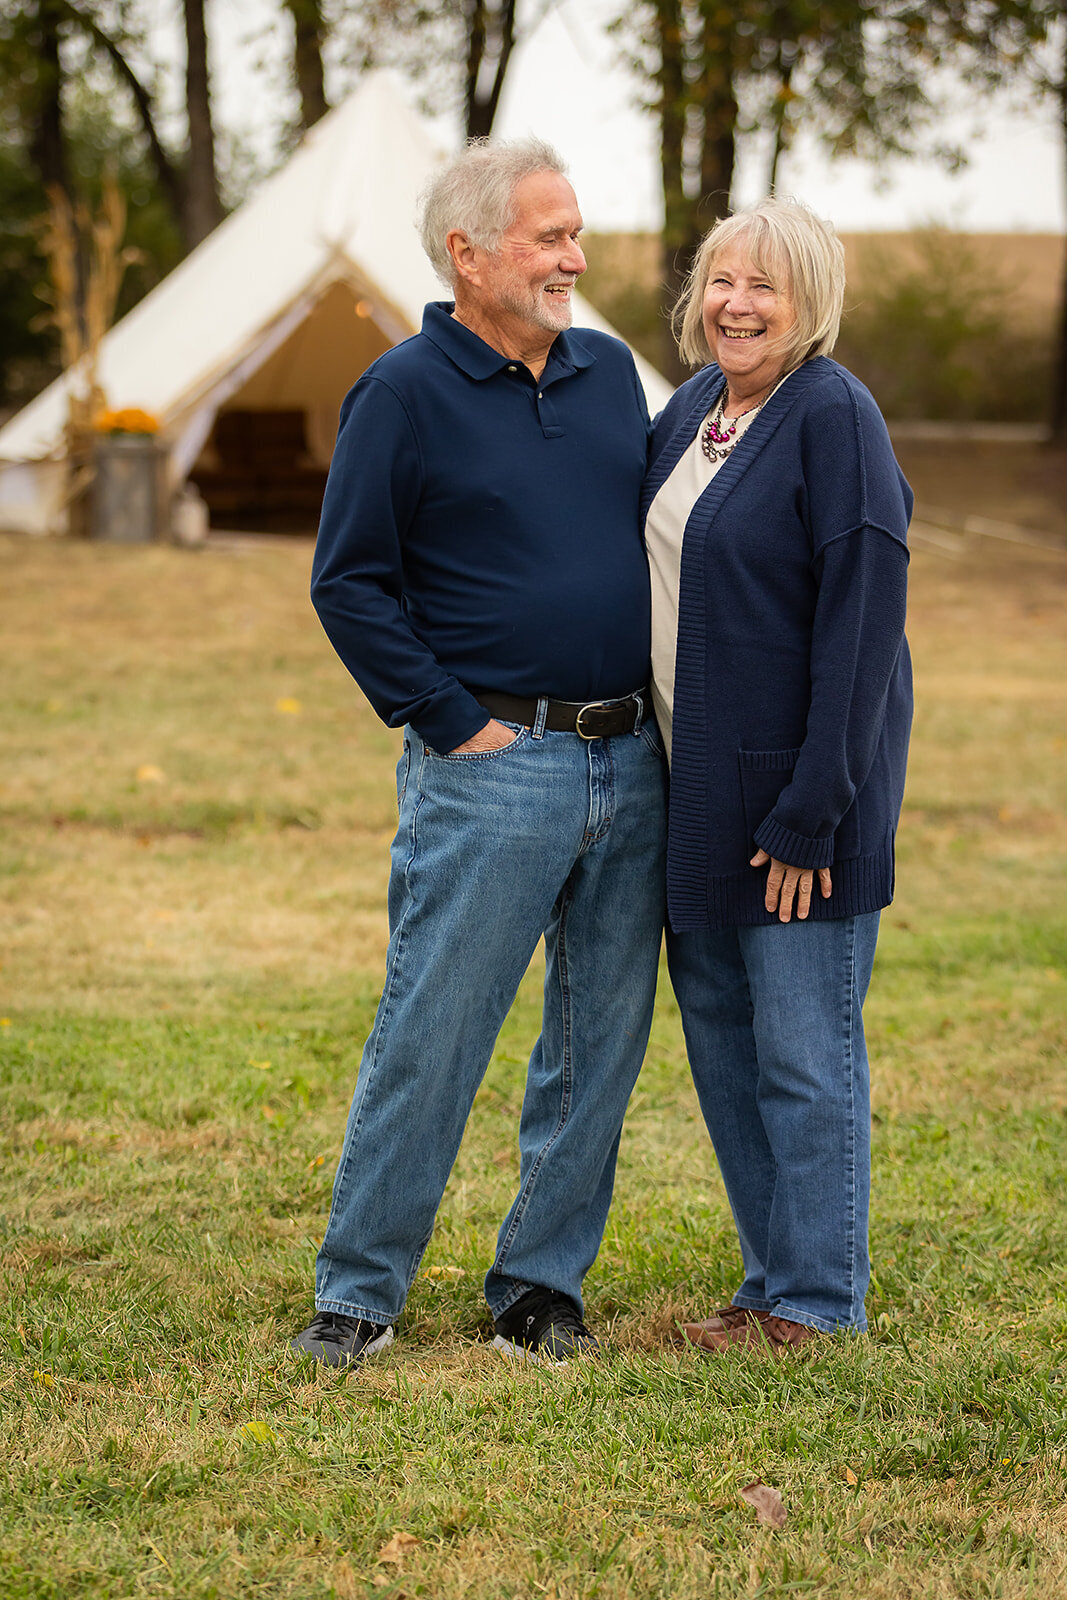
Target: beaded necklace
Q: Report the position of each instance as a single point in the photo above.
(718, 438)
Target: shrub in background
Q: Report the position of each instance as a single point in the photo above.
(623, 281)
(938, 334)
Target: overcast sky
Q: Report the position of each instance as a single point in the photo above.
(1014, 180)
(565, 83)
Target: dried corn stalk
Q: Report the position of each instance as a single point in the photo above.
(86, 264)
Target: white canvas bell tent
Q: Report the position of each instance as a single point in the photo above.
(246, 350)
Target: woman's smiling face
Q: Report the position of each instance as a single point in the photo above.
(747, 314)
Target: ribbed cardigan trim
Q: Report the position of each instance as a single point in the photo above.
(736, 900)
(696, 898)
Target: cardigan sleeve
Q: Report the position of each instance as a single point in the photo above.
(357, 581)
(857, 516)
(857, 637)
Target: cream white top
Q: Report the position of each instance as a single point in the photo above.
(664, 531)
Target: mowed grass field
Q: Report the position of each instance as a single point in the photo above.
(195, 810)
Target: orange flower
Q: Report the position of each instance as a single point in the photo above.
(130, 420)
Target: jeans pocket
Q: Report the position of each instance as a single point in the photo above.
(403, 767)
(459, 757)
(764, 774)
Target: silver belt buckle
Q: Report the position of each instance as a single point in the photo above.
(591, 705)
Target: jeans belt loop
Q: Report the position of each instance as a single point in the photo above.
(639, 719)
(540, 719)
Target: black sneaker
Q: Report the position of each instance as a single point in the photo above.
(543, 1326)
(341, 1341)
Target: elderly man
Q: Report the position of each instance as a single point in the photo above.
(480, 573)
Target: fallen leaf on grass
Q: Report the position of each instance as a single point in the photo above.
(399, 1546)
(150, 774)
(767, 1503)
(288, 705)
(445, 1272)
(45, 1379)
(851, 1478)
(258, 1431)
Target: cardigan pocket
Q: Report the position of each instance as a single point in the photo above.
(764, 774)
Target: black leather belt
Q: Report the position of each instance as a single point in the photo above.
(593, 719)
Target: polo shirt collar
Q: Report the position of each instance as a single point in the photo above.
(479, 360)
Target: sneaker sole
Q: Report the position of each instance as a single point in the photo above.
(540, 1358)
(516, 1352)
(376, 1347)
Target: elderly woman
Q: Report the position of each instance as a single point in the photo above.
(776, 532)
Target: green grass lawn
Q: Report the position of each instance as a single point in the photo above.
(195, 809)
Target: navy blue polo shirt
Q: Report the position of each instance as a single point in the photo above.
(480, 528)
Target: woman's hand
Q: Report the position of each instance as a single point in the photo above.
(784, 883)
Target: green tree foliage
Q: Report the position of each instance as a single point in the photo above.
(94, 145)
(79, 99)
(459, 50)
(858, 73)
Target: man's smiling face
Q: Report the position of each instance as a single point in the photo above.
(530, 275)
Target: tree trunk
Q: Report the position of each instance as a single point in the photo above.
(1059, 382)
(47, 145)
(203, 209)
(309, 29)
(717, 152)
(490, 40)
(695, 192)
(672, 120)
(781, 123)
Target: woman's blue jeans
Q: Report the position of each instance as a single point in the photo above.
(552, 835)
(774, 1029)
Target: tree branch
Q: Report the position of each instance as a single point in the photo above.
(170, 179)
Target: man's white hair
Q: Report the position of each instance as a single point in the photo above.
(475, 193)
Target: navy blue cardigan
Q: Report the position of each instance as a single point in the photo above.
(792, 700)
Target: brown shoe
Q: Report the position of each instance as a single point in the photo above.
(721, 1321)
(770, 1336)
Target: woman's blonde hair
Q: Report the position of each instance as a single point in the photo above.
(789, 242)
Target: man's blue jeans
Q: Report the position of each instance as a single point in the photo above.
(774, 1030)
(552, 835)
